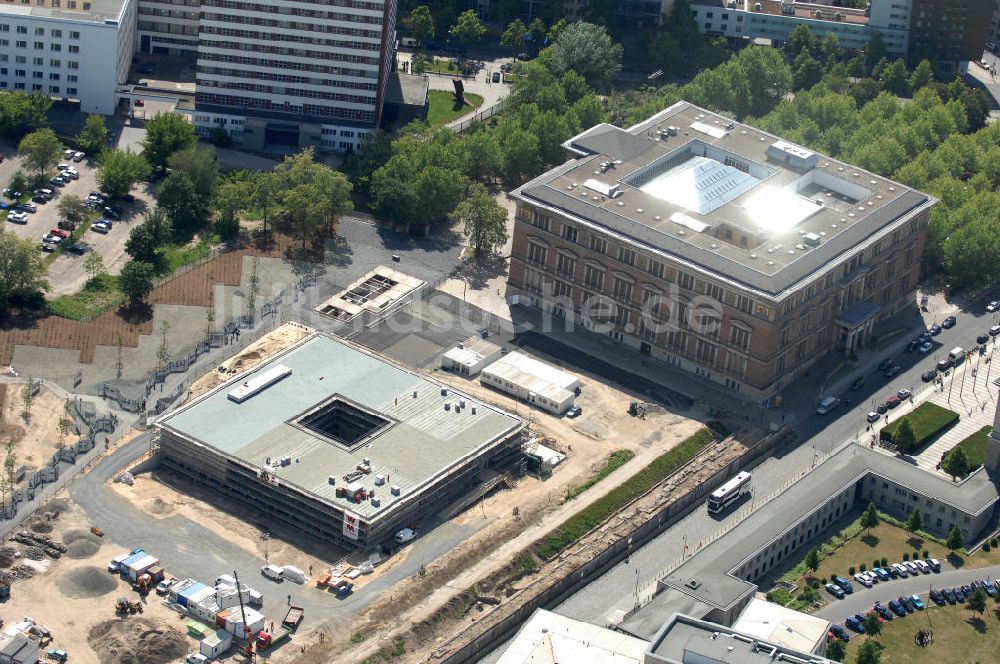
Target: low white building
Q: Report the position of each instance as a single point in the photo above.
(550, 637)
(216, 643)
(77, 50)
(532, 381)
(783, 626)
(470, 356)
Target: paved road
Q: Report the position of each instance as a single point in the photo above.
(606, 599)
(863, 598)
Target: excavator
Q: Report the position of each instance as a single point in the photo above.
(124, 606)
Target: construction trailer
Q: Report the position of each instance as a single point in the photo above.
(470, 356)
(139, 567)
(216, 644)
(237, 621)
(175, 591)
(343, 416)
(194, 593)
(532, 381)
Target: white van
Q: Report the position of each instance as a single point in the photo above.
(272, 572)
(957, 354)
(827, 404)
(405, 535)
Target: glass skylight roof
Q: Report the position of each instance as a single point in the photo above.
(700, 185)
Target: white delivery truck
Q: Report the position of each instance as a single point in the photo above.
(272, 572)
(827, 404)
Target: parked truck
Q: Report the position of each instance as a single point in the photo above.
(342, 587)
(293, 618)
(267, 640)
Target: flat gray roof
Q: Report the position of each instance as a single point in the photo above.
(842, 207)
(711, 567)
(424, 442)
(100, 11)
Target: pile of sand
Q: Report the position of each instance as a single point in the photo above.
(87, 582)
(160, 506)
(80, 535)
(81, 548)
(136, 641)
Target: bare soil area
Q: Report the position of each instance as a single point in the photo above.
(74, 597)
(271, 343)
(37, 438)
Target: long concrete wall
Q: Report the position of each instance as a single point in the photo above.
(565, 575)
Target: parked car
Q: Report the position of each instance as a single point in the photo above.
(835, 590)
(893, 401)
(79, 156)
(863, 579)
(934, 330)
(990, 589)
(937, 597)
(17, 217)
(196, 658)
(925, 348)
(881, 409)
(58, 181)
(882, 611)
(855, 624)
(949, 322)
(945, 364)
(858, 382)
(935, 564)
(26, 207)
(892, 371)
(995, 330)
(907, 604)
(78, 248)
(844, 584)
(917, 602)
(949, 595)
(839, 632)
(967, 589)
(928, 376)
(901, 570)
(68, 154)
(66, 224)
(893, 572)
(52, 239)
(924, 566)
(982, 338)
(113, 212)
(102, 226)
(883, 575)
(574, 411)
(163, 586)
(60, 232)
(71, 173)
(873, 417)
(910, 347)
(897, 608)
(912, 568)
(885, 364)
(904, 394)
(959, 594)
(496, 77)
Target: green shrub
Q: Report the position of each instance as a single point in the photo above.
(906, 556)
(864, 567)
(875, 564)
(915, 556)
(986, 546)
(885, 562)
(851, 570)
(927, 421)
(357, 637)
(927, 554)
(597, 512)
(814, 584)
(779, 596)
(718, 428)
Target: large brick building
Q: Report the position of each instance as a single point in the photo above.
(716, 247)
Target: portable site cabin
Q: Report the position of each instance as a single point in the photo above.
(234, 621)
(138, 568)
(226, 596)
(470, 357)
(129, 559)
(175, 590)
(184, 598)
(256, 598)
(532, 381)
(204, 609)
(216, 643)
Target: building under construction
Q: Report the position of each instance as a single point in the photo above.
(336, 440)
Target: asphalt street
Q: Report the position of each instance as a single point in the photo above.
(606, 600)
(864, 598)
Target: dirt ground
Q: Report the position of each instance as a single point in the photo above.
(35, 440)
(271, 343)
(74, 598)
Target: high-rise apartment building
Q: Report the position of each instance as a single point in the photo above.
(951, 31)
(294, 73)
(169, 26)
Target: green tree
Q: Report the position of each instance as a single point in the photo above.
(22, 270)
(142, 243)
(21, 113)
(713, 53)
(956, 463)
(588, 50)
(166, 133)
(119, 170)
(874, 51)
(513, 36)
(922, 74)
(812, 560)
(179, 199)
(484, 221)
(93, 264)
(201, 165)
(977, 601)
(894, 78)
(41, 150)
(870, 652)
(72, 207)
(802, 40)
(869, 518)
(682, 25)
(916, 521)
(520, 150)
(873, 626)
(304, 210)
(808, 71)
(468, 29)
(136, 281)
(536, 31)
(18, 182)
(233, 196)
(553, 34)
(483, 157)
(905, 438)
(664, 52)
(92, 139)
(422, 24)
(831, 49)
(836, 650)
(956, 538)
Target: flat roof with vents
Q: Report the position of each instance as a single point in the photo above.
(703, 189)
(337, 405)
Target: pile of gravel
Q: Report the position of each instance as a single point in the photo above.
(81, 548)
(34, 553)
(7, 556)
(40, 526)
(80, 535)
(87, 582)
(137, 641)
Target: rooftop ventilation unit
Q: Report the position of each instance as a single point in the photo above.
(793, 155)
(259, 383)
(603, 188)
(714, 132)
(811, 239)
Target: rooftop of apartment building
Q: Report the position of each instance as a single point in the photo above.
(705, 581)
(324, 408)
(88, 11)
(723, 196)
(827, 10)
(684, 639)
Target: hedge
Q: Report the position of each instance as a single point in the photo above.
(928, 420)
(597, 512)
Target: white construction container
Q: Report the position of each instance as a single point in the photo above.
(293, 573)
(206, 610)
(227, 597)
(215, 644)
(533, 381)
(139, 567)
(234, 621)
(256, 598)
(178, 588)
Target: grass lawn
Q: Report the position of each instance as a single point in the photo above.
(975, 447)
(615, 461)
(97, 296)
(928, 420)
(441, 108)
(174, 256)
(960, 637)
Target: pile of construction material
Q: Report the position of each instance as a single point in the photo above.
(39, 546)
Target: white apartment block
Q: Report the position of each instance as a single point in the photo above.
(294, 73)
(168, 26)
(77, 50)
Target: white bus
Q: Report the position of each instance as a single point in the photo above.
(727, 493)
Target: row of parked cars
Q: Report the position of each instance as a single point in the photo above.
(839, 586)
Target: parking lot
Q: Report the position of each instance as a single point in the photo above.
(66, 273)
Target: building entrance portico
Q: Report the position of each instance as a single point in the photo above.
(856, 325)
